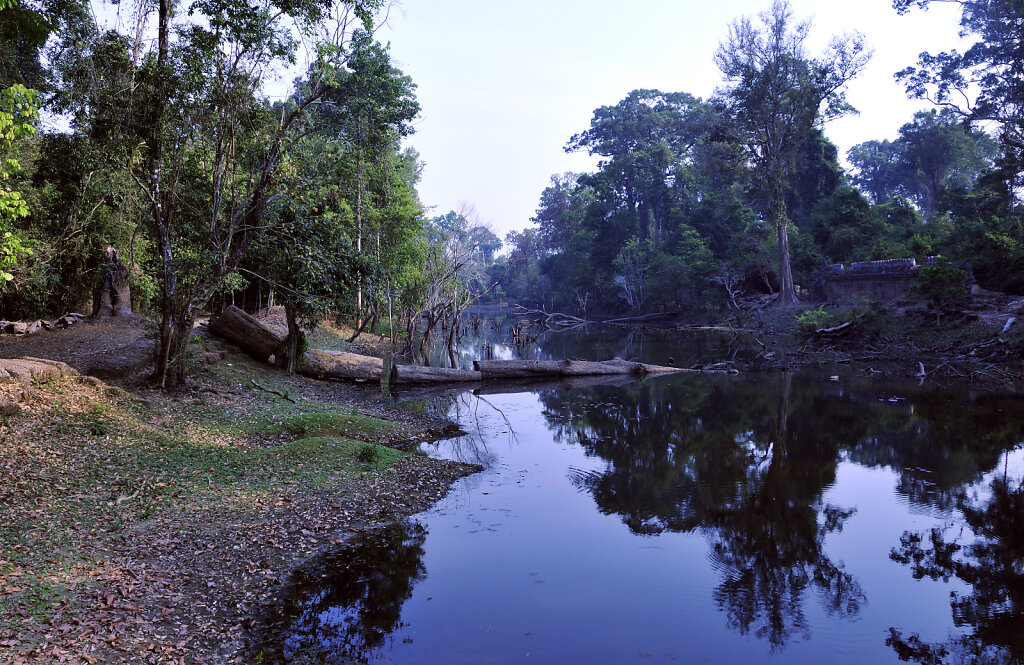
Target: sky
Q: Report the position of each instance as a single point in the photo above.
(504, 85)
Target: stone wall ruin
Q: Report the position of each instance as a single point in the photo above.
(888, 279)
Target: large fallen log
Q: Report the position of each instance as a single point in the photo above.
(320, 364)
(511, 369)
(836, 331)
(242, 329)
(406, 374)
(661, 317)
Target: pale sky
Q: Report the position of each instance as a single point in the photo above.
(504, 85)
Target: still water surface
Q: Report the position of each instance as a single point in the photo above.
(700, 519)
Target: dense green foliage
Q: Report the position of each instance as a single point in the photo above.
(174, 152)
(697, 202)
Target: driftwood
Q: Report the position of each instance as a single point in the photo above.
(660, 317)
(242, 329)
(406, 374)
(272, 391)
(320, 364)
(549, 319)
(511, 369)
(835, 331)
(260, 342)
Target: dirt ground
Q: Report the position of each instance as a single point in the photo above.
(139, 527)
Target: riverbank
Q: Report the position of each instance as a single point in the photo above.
(980, 342)
(140, 527)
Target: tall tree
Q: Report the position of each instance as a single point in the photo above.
(223, 141)
(876, 169)
(938, 152)
(372, 106)
(778, 94)
(934, 152)
(640, 140)
(986, 82)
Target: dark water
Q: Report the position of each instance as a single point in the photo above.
(700, 519)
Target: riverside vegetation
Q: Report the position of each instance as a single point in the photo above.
(142, 527)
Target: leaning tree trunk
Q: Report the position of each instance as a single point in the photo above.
(243, 329)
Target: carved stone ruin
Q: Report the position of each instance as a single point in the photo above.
(113, 297)
(888, 279)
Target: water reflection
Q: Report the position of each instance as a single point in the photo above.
(747, 464)
(358, 598)
(750, 469)
(991, 562)
(744, 470)
(494, 340)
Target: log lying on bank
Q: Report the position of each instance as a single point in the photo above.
(836, 331)
(408, 374)
(512, 369)
(319, 364)
(260, 342)
(661, 317)
(242, 329)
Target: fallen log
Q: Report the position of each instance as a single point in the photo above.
(511, 369)
(242, 329)
(406, 374)
(319, 364)
(835, 331)
(660, 317)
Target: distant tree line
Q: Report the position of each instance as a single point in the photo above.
(698, 200)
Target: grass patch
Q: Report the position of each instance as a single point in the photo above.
(92, 470)
(332, 424)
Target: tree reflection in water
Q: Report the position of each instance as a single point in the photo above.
(357, 601)
(743, 471)
(991, 562)
(747, 466)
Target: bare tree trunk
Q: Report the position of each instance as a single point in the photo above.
(787, 290)
(391, 316)
(170, 325)
(292, 342)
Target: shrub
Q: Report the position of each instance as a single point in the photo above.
(942, 284)
(367, 453)
(812, 319)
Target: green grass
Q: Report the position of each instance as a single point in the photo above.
(350, 425)
(92, 469)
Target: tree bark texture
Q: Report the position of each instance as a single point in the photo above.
(407, 374)
(242, 329)
(320, 364)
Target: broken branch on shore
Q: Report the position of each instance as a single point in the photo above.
(272, 391)
(835, 331)
(549, 319)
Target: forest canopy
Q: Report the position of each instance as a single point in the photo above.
(168, 146)
(696, 201)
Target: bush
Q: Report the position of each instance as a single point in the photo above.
(942, 284)
(367, 453)
(813, 319)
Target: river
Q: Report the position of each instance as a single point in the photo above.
(780, 518)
